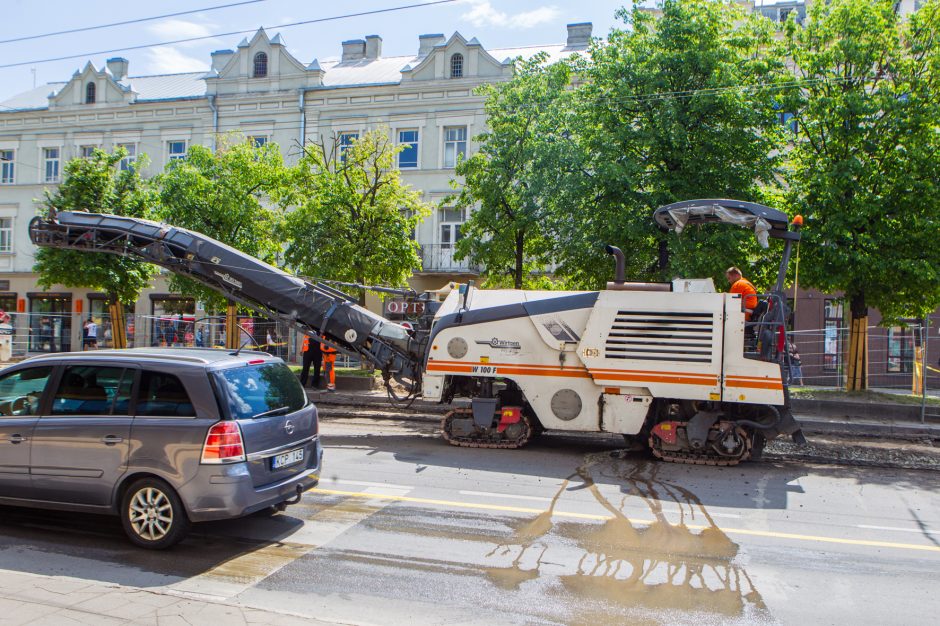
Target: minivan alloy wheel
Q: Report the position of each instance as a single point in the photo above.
(153, 515)
(150, 513)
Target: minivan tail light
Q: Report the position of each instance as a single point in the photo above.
(224, 444)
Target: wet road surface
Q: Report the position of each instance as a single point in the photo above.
(405, 529)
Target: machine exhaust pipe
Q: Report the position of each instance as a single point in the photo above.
(620, 274)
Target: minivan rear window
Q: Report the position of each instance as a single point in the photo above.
(256, 391)
(163, 394)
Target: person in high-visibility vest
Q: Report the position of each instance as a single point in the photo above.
(329, 365)
(311, 356)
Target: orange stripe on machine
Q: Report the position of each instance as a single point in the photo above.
(644, 376)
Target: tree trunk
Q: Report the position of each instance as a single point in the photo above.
(517, 272)
(857, 366)
(118, 324)
(663, 257)
(362, 292)
(233, 333)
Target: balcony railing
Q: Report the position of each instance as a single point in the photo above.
(440, 258)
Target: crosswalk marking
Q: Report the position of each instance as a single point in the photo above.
(232, 577)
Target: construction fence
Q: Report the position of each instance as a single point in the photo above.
(38, 333)
(900, 359)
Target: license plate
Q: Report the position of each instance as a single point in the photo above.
(288, 458)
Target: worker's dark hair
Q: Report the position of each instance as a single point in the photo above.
(733, 270)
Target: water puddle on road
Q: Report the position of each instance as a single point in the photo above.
(631, 569)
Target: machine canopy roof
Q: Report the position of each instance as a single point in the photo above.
(765, 222)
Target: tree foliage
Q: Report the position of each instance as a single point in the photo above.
(232, 195)
(95, 184)
(512, 180)
(672, 108)
(865, 162)
(354, 217)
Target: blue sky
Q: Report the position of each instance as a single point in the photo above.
(496, 23)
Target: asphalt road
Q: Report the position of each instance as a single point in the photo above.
(407, 530)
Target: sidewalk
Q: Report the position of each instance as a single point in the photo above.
(58, 601)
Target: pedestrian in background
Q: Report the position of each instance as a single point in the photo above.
(311, 356)
(796, 364)
(91, 334)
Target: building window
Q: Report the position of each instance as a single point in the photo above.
(90, 90)
(789, 120)
(257, 141)
(6, 167)
(127, 163)
(408, 157)
(6, 235)
(176, 150)
(87, 151)
(900, 350)
(261, 65)
(51, 157)
(408, 214)
(346, 140)
(832, 325)
(456, 66)
(455, 144)
(451, 222)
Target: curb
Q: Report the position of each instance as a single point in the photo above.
(864, 410)
(868, 429)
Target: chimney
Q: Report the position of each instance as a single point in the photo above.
(579, 35)
(118, 67)
(220, 58)
(353, 50)
(373, 46)
(427, 42)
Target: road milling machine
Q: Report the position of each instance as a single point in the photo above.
(672, 366)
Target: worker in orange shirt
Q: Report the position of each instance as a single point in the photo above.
(743, 286)
(329, 365)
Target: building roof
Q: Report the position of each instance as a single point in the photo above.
(168, 86)
(35, 98)
(148, 89)
(362, 72)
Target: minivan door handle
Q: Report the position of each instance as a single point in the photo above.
(17, 439)
(112, 439)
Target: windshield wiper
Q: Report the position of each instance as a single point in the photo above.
(280, 409)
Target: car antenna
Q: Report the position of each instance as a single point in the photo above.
(242, 345)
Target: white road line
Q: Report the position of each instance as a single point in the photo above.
(508, 496)
(364, 483)
(902, 530)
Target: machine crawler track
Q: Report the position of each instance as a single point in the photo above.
(707, 456)
(484, 441)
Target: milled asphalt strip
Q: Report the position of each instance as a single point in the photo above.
(645, 522)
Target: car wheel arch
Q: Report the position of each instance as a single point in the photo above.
(130, 478)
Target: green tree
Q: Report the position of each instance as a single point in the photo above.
(354, 217)
(511, 182)
(672, 108)
(865, 162)
(95, 184)
(231, 195)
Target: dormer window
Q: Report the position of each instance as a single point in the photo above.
(261, 65)
(90, 93)
(456, 66)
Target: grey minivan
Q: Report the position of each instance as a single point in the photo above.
(161, 437)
